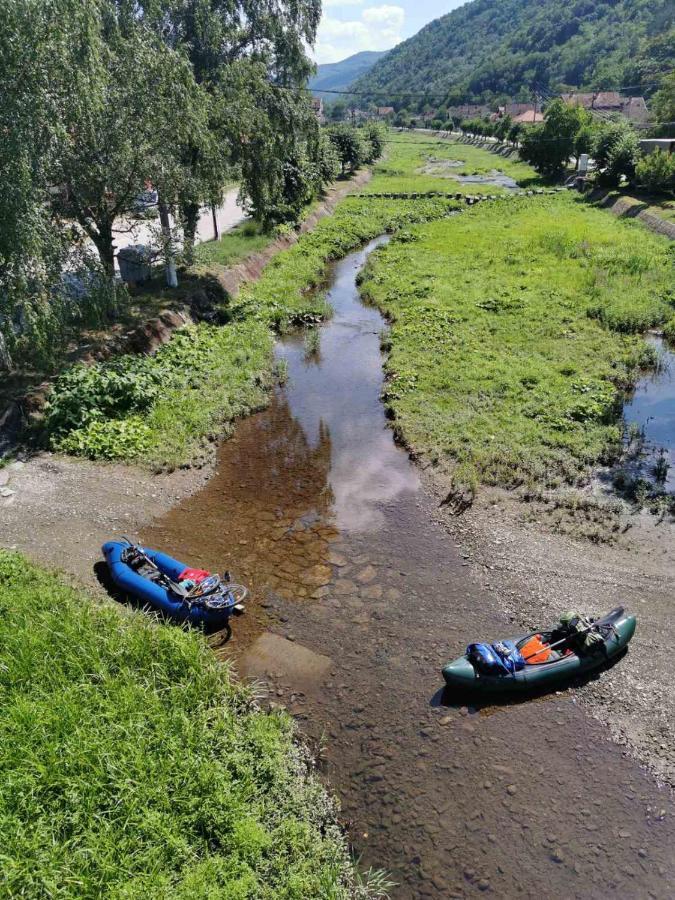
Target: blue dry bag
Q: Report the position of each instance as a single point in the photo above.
(502, 658)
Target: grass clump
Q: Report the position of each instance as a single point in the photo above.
(155, 409)
(514, 335)
(233, 246)
(133, 767)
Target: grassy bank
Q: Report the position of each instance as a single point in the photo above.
(420, 163)
(157, 410)
(132, 767)
(515, 329)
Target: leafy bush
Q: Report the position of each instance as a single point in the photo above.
(622, 159)
(615, 152)
(655, 172)
(156, 408)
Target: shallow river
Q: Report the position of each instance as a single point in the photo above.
(359, 597)
(651, 408)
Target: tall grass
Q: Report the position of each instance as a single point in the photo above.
(515, 330)
(131, 766)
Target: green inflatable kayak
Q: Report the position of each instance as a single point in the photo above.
(575, 654)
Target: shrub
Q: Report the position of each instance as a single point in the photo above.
(622, 159)
(615, 152)
(655, 172)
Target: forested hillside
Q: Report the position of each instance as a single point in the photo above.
(498, 48)
(340, 75)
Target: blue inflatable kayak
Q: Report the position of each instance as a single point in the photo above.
(171, 587)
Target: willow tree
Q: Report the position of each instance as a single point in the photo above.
(45, 47)
(249, 58)
(126, 128)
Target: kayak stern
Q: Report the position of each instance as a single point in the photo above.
(460, 674)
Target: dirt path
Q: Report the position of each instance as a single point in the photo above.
(360, 595)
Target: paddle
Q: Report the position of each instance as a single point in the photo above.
(560, 642)
(175, 587)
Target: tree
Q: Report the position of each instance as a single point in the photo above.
(503, 127)
(615, 152)
(337, 111)
(123, 130)
(236, 48)
(548, 147)
(349, 145)
(60, 34)
(374, 136)
(622, 160)
(663, 107)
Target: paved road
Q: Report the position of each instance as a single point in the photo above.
(229, 214)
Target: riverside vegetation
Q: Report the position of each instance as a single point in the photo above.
(515, 331)
(133, 766)
(157, 409)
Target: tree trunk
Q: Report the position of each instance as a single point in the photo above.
(171, 276)
(190, 215)
(106, 249)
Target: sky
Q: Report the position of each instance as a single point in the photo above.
(349, 26)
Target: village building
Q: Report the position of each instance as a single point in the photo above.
(317, 109)
(632, 108)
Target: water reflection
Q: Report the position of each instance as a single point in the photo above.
(318, 461)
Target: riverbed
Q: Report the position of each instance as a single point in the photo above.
(359, 597)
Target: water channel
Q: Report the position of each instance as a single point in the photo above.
(358, 597)
(651, 411)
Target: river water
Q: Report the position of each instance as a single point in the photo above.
(651, 407)
(358, 598)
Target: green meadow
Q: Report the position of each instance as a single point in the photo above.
(516, 327)
(417, 163)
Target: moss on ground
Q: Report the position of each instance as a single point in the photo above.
(515, 329)
(133, 767)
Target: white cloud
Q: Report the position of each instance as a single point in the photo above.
(327, 3)
(378, 28)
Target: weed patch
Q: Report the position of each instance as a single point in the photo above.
(156, 409)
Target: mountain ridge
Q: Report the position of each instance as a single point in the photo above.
(339, 76)
(491, 49)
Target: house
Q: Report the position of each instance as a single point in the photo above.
(632, 108)
(530, 116)
(384, 112)
(317, 109)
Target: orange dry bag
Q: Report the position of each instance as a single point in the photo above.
(535, 650)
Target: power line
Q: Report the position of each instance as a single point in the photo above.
(443, 95)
